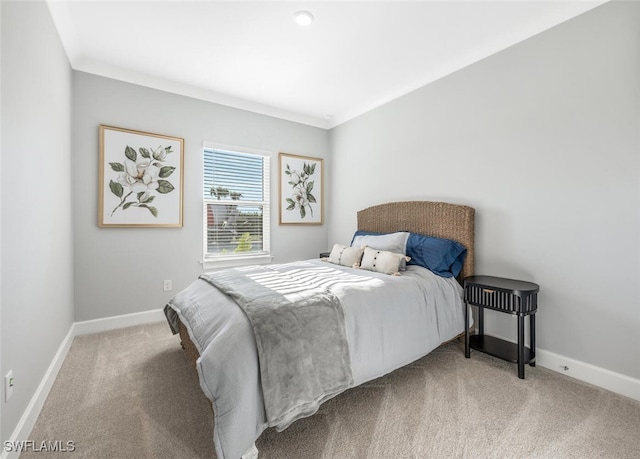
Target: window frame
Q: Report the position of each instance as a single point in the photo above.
(262, 257)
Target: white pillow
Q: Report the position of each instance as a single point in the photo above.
(346, 256)
(391, 242)
(382, 261)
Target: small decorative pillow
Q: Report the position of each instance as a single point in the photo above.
(346, 256)
(382, 261)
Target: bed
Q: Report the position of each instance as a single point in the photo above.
(371, 322)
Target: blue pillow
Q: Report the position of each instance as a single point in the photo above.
(443, 257)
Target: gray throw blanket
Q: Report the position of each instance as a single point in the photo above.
(300, 335)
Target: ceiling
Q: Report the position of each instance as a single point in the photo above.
(355, 56)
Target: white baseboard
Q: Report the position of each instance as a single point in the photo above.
(601, 377)
(31, 413)
(586, 372)
(89, 327)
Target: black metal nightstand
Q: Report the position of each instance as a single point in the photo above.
(505, 295)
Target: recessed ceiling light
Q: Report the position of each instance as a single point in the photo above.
(303, 18)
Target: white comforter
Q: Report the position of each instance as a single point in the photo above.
(391, 321)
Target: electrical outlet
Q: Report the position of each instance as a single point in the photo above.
(8, 386)
(167, 286)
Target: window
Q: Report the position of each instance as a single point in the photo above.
(236, 205)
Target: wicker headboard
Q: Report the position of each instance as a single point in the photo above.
(439, 219)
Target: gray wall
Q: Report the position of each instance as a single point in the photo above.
(120, 270)
(543, 140)
(37, 251)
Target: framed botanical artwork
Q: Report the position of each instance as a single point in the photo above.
(301, 190)
(141, 179)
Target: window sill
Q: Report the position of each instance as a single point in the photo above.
(234, 262)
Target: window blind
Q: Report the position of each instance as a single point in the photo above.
(236, 190)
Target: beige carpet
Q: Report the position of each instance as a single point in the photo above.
(131, 394)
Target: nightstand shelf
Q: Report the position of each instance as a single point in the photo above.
(499, 348)
(510, 296)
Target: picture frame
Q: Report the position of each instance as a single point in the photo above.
(140, 179)
(301, 190)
